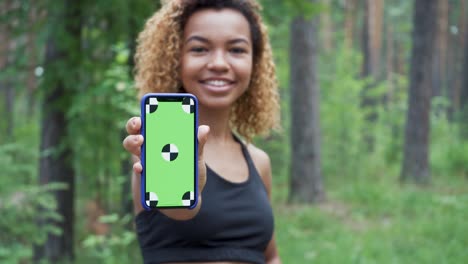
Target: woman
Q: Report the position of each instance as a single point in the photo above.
(217, 50)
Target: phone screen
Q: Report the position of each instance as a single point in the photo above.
(169, 152)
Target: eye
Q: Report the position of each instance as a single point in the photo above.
(197, 49)
(238, 50)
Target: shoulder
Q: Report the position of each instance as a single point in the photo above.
(262, 163)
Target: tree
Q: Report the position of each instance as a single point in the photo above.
(371, 51)
(415, 156)
(306, 172)
(440, 50)
(456, 51)
(326, 24)
(463, 115)
(33, 54)
(372, 38)
(350, 17)
(390, 63)
(60, 79)
(6, 86)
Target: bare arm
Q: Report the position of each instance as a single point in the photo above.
(271, 253)
(263, 164)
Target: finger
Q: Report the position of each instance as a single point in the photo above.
(132, 144)
(136, 188)
(203, 132)
(135, 158)
(137, 168)
(133, 125)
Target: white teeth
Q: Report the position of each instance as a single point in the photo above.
(216, 83)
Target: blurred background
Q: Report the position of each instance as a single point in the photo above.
(371, 164)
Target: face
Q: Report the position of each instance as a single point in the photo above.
(216, 60)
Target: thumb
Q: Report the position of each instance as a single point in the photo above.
(203, 132)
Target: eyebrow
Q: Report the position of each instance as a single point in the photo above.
(205, 40)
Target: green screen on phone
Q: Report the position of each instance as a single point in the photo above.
(169, 150)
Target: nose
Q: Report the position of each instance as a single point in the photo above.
(218, 62)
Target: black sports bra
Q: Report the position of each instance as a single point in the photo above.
(235, 223)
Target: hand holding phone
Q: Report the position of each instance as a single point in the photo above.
(133, 142)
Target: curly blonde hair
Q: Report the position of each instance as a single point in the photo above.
(157, 63)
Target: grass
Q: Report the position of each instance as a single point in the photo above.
(364, 220)
(377, 220)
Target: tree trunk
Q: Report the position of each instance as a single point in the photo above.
(62, 49)
(459, 50)
(463, 113)
(6, 85)
(372, 38)
(415, 166)
(365, 47)
(306, 173)
(350, 17)
(440, 50)
(390, 60)
(57, 168)
(32, 52)
(375, 12)
(371, 49)
(326, 25)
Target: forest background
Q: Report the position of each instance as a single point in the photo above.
(371, 165)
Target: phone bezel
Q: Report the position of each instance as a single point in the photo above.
(167, 97)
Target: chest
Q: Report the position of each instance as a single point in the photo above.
(228, 162)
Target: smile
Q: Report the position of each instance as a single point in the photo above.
(217, 86)
(216, 83)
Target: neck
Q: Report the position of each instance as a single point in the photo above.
(218, 121)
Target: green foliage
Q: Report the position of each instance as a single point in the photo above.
(389, 134)
(449, 152)
(281, 12)
(23, 204)
(98, 116)
(377, 221)
(342, 120)
(112, 248)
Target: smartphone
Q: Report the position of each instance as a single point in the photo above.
(169, 153)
